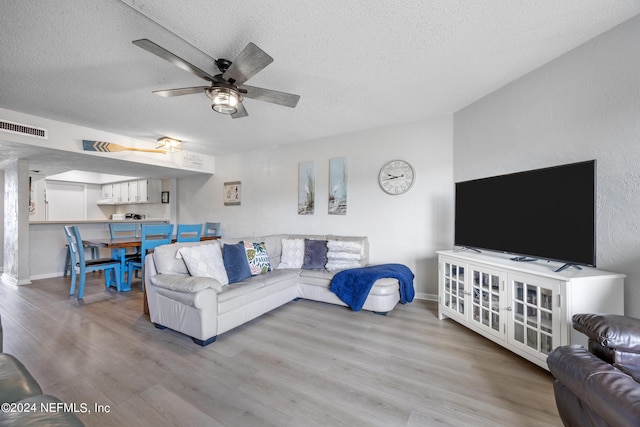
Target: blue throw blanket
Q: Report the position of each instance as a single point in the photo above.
(352, 286)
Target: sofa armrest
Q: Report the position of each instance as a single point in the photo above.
(613, 395)
(16, 382)
(610, 330)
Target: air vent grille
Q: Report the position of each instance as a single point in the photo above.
(12, 127)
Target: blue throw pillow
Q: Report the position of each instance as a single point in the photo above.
(315, 254)
(235, 262)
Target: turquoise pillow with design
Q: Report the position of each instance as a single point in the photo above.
(257, 257)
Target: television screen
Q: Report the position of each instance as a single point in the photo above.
(545, 213)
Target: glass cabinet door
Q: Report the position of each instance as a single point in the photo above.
(534, 323)
(486, 289)
(453, 287)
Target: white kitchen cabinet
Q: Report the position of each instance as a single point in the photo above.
(120, 192)
(135, 190)
(144, 191)
(131, 192)
(107, 191)
(524, 306)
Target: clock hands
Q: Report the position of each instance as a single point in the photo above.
(390, 177)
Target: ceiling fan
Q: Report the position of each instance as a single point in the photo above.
(227, 89)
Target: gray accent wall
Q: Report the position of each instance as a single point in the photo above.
(583, 105)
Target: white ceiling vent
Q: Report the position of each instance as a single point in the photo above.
(12, 127)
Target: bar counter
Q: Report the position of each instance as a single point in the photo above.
(47, 242)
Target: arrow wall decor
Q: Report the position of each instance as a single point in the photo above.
(109, 147)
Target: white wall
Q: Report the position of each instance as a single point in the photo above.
(406, 229)
(37, 197)
(584, 105)
(2, 221)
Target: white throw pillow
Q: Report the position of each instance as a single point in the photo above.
(344, 246)
(205, 261)
(339, 264)
(343, 255)
(292, 253)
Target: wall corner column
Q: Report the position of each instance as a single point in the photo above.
(16, 223)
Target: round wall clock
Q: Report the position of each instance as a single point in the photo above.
(396, 177)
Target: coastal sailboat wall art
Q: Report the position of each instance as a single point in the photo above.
(306, 188)
(338, 180)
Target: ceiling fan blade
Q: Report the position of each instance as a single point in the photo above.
(242, 112)
(268, 95)
(182, 91)
(251, 60)
(150, 46)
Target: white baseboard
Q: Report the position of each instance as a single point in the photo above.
(10, 280)
(46, 275)
(425, 296)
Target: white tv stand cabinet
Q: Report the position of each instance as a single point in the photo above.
(525, 307)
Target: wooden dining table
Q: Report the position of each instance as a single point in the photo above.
(119, 246)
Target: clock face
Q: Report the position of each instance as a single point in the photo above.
(396, 177)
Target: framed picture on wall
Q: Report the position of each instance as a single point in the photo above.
(306, 188)
(338, 180)
(164, 197)
(231, 193)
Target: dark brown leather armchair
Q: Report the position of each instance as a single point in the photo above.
(23, 403)
(599, 386)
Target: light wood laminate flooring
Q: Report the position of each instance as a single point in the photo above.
(303, 364)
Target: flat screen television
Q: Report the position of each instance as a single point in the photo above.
(545, 213)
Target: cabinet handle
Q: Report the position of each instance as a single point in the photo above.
(509, 309)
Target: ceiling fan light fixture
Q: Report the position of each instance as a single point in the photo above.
(169, 144)
(224, 100)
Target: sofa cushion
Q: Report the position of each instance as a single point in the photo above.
(188, 284)
(315, 254)
(257, 257)
(238, 294)
(292, 253)
(205, 261)
(235, 262)
(255, 288)
(166, 262)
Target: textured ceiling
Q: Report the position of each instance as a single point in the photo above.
(356, 64)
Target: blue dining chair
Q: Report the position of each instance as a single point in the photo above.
(110, 266)
(188, 232)
(123, 229)
(95, 253)
(211, 229)
(152, 236)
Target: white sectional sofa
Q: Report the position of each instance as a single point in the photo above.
(203, 308)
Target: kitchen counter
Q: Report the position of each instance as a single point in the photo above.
(99, 221)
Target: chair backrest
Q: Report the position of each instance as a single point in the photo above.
(119, 229)
(188, 232)
(155, 235)
(212, 229)
(75, 245)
